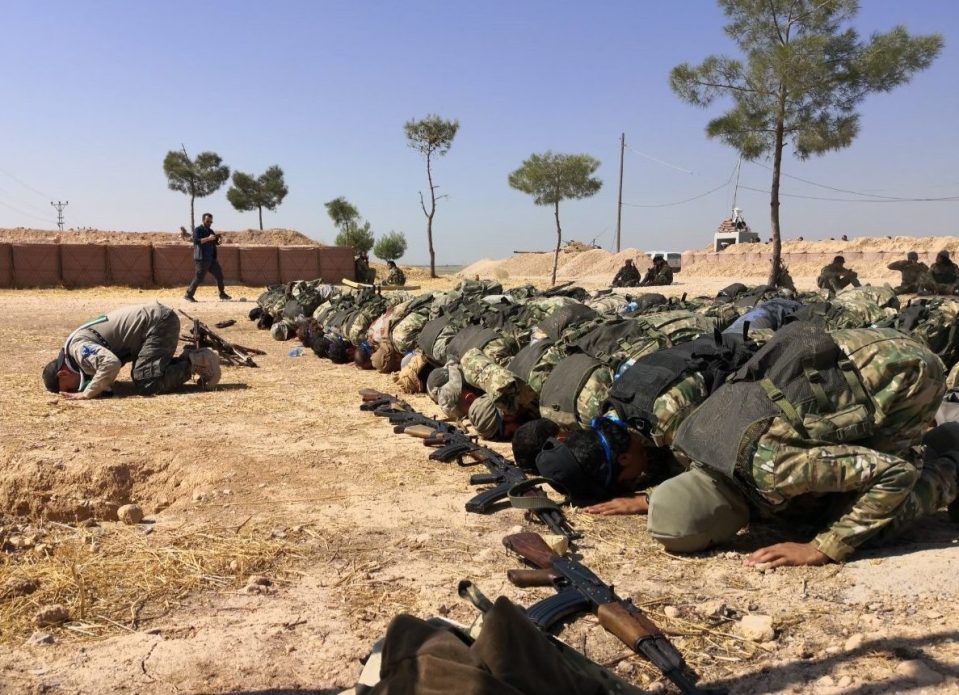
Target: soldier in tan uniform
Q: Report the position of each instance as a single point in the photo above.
(146, 335)
(915, 275)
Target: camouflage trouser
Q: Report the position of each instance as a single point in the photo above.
(937, 487)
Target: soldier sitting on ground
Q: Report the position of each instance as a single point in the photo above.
(659, 274)
(944, 273)
(836, 276)
(363, 272)
(147, 336)
(915, 275)
(396, 276)
(628, 275)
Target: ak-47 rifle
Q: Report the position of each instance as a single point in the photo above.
(454, 444)
(202, 336)
(581, 591)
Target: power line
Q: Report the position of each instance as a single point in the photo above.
(24, 212)
(658, 161)
(59, 205)
(34, 209)
(879, 197)
(689, 200)
(856, 200)
(25, 185)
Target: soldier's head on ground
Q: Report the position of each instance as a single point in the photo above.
(838, 260)
(696, 510)
(529, 440)
(596, 463)
(362, 356)
(436, 380)
(912, 256)
(490, 422)
(58, 377)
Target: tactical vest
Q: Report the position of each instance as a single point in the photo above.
(861, 392)
(635, 392)
(560, 398)
(605, 342)
(431, 331)
(526, 359)
(556, 323)
(468, 338)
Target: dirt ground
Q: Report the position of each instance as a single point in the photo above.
(277, 473)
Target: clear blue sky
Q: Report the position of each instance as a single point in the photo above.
(96, 93)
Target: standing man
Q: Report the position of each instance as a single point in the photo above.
(205, 241)
(147, 335)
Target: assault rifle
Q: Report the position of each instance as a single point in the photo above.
(581, 591)
(202, 336)
(455, 445)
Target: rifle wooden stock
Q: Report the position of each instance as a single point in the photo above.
(372, 395)
(630, 627)
(532, 548)
(419, 431)
(525, 578)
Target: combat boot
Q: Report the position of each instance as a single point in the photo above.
(205, 364)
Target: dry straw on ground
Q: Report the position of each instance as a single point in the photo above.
(116, 578)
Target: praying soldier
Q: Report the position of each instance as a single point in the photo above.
(836, 276)
(659, 274)
(915, 275)
(628, 275)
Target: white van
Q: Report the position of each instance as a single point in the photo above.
(673, 258)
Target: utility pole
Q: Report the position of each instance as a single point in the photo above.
(619, 202)
(59, 206)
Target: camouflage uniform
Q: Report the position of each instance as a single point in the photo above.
(660, 274)
(836, 276)
(945, 276)
(510, 395)
(915, 275)
(593, 398)
(672, 407)
(396, 277)
(905, 383)
(628, 276)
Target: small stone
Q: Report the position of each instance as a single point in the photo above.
(38, 638)
(844, 682)
(443, 609)
(54, 614)
(161, 504)
(854, 642)
(832, 650)
(933, 615)
(199, 495)
(16, 586)
(278, 533)
(918, 671)
(130, 514)
(826, 682)
(657, 687)
(234, 565)
(757, 627)
(258, 580)
(713, 608)
(515, 529)
(671, 612)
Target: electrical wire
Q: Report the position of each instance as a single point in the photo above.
(28, 214)
(855, 200)
(689, 200)
(879, 197)
(658, 161)
(25, 185)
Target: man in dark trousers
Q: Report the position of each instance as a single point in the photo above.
(205, 241)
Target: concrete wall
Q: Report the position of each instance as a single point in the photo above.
(164, 265)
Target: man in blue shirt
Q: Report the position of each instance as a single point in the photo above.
(205, 241)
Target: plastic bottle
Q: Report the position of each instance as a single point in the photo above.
(295, 352)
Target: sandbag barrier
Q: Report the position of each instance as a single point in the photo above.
(867, 263)
(164, 265)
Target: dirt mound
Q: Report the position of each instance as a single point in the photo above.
(249, 237)
(595, 265)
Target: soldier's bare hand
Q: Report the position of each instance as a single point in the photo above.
(620, 505)
(787, 555)
(74, 396)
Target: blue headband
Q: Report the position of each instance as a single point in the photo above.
(612, 467)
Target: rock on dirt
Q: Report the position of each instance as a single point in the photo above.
(130, 514)
(854, 642)
(919, 672)
(16, 586)
(757, 627)
(54, 614)
(38, 638)
(671, 612)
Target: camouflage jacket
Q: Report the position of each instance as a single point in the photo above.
(878, 473)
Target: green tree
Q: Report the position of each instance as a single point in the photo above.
(390, 246)
(804, 74)
(356, 235)
(197, 178)
(551, 178)
(265, 191)
(431, 137)
(341, 211)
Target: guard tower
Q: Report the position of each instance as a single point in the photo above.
(734, 231)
